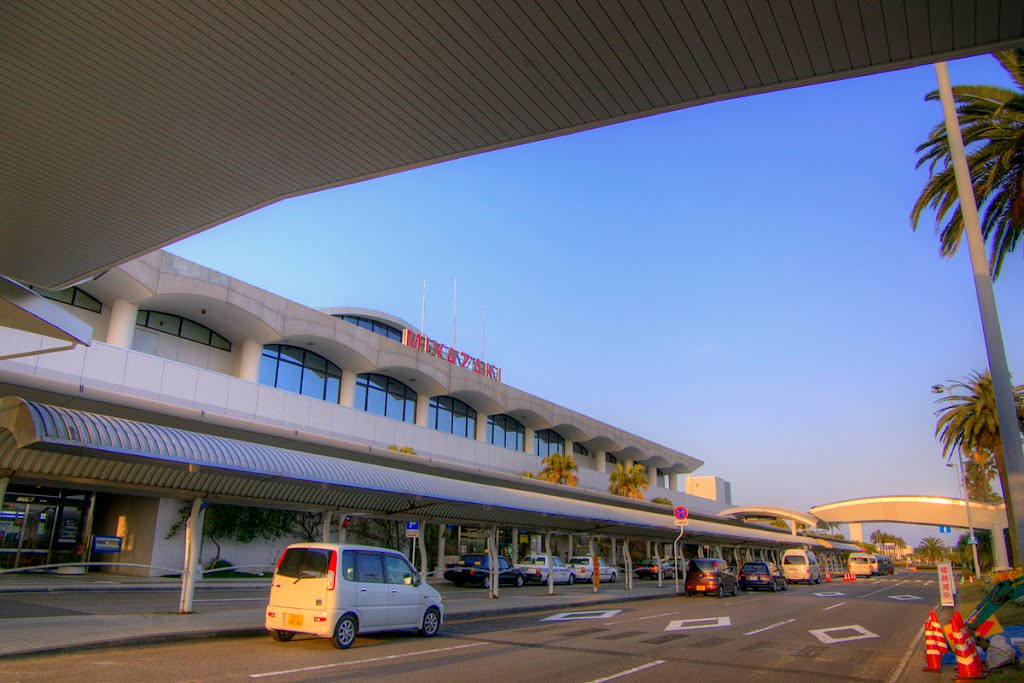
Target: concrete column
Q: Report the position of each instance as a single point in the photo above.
(856, 532)
(481, 427)
(551, 566)
(595, 571)
(515, 546)
(675, 480)
(422, 409)
(792, 526)
(3, 491)
(652, 477)
(600, 458)
(328, 514)
(572, 547)
(343, 522)
(348, 389)
(492, 556)
(528, 441)
(628, 465)
(440, 548)
(193, 534)
(423, 549)
(568, 449)
(249, 359)
(999, 557)
(121, 330)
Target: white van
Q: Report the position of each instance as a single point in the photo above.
(862, 564)
(801, 565)
(376, 590)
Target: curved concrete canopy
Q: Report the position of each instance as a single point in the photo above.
(746, 511)
(112, 150)
(928, 510)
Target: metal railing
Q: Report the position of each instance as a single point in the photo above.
(175, 571)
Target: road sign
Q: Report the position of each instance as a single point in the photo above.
(945, 529)
(947, 586)
(412, 529)
(973, 540)
(681, 512)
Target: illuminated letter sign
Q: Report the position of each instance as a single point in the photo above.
(453, 356)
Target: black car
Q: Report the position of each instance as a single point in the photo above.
(647, 568)
(710, 576)
(475, 570)
(762, 576)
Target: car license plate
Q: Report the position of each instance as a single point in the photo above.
(700, 588)
(294, 620)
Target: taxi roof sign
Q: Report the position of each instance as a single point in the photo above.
(681, 512)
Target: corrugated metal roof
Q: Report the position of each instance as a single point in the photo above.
(53, 442)
(128, 125)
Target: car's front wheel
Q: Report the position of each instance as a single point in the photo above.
(431, 622)
(519, 581)
(345, 632)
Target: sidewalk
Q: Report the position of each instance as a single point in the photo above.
(33, 635)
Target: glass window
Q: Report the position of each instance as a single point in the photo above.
(399, 571)
(304, 563)
(299, 371)
(382, 395)
(369, 568)
(383, 329)
(506, 431)
(547, 442)
(182, 327)
(452, 416)
(579, 450)
(348, 565)
(72, 296)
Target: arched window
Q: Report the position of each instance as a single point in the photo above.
(577, 449)
(507, 432)
(381, 395)
(71, 296)
(300, 371)
(177, 326)
(547, 442)
(383, 329)
(451, 415)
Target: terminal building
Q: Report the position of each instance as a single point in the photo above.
(181, 345)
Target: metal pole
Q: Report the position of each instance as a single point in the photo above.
(423, 550)
(1013, 461)
(193, 528)
(973, 541)
(551, 565)
(675, 555)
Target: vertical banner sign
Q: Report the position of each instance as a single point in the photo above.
(412, 529)
(947, 587)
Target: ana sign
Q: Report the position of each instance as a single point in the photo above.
(453, 356)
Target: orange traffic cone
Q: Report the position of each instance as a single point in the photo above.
(828, 577)
(968, 662)
(934, 645)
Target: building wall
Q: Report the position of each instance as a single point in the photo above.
(134, 519)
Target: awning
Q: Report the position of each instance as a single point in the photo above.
(50, 443)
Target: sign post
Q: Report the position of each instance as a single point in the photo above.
(680, 514)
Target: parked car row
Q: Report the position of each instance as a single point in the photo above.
(475, 570)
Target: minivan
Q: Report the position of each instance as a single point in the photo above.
(375, 590)
(862, 564)
(885, 565)
(801, 565)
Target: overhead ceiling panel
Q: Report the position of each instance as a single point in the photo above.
(128, 125)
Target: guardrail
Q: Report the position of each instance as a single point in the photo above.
(175, 571)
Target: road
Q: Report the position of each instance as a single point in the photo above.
(839, 631)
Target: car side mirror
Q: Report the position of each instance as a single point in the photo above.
(417, 578)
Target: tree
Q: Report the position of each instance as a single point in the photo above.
(629, 483)
(978, 478)
(559, 469)
(968, 421)
(932, 550)
(992, 126)
(238, 523)
(966, 555)
(661, 500)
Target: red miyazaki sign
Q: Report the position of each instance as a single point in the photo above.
(453, 356)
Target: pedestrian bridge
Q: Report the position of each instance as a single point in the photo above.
(923, 510)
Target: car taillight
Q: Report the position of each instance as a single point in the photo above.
(332, 570)
(744, 576)
(280, 559)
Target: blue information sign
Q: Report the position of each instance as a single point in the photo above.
(412, 529)
(106, 544)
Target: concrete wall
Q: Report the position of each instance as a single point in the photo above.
(134, 518)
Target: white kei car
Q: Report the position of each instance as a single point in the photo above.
(583, 567)
(536, 569)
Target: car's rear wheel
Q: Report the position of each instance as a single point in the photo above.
(487, 582)
(431, 622)
(572, 578)
(282, 636)
(520, 581)
(345, 632)
(612, 579)
(775, 586)
(721, 592)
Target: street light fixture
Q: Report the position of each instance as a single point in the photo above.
(962, 486)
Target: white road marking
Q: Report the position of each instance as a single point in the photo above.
(830, 594)
(838, 604)
(903, 597)
(653, 616)
(627, 672)
(768, 628)
(366, 661)
(885, 588)
(690, 624)
(822, 634)
(575, 616)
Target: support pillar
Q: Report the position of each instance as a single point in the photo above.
(792, 526)
(595, 571)
(481, 428)
(422, 409)
(440, 548)
(327, 516)
(423, 550)
(492, 558)
(657, 558)
(348, 389)
(193, 533)
(551, 566)
(601, 461)
(3, 488)
(515, 546)
(528, 440)
(857, 532)
(249, 359)
(121, 329)
(628, 562)
(652, 478)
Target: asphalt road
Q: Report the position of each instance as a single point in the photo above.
(861, 632)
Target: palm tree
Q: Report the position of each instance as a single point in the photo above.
(931, 550)
(978, 474)
(629, 483)
(992, 125)
(968, 421)
(559, 469)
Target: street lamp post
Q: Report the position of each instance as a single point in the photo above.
(964, 493)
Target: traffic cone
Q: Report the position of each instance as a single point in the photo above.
(828, 577)
(968, 662)
(934, 645)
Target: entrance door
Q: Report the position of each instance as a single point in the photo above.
(26, 531)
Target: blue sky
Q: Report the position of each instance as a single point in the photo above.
(738, 281)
